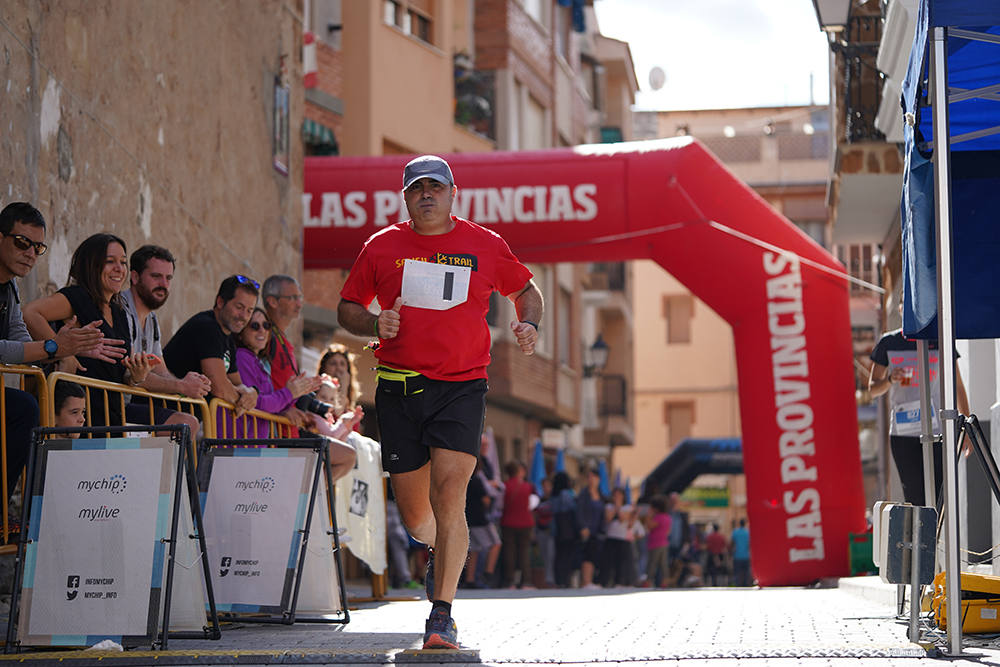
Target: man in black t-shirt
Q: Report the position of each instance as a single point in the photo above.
(204, 344)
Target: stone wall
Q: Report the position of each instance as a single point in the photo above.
(154, 121)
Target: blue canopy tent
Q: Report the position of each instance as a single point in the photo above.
(560, 461)
(951, 101)
(537, 472)
(602, 472)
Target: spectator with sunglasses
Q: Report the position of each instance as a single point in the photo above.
(204, 344)
(255, 370)
(22, 234)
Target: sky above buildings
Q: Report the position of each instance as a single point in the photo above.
(721, 53)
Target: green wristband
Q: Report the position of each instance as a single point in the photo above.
(376, 328)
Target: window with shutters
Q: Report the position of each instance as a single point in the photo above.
(678, 310)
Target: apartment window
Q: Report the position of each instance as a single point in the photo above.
(545, 279)
(678, 310)
(413, 17)
(538, 10)
(564, 310)
(534, 126)
(562, 31)
(591, 71)
(679, 418)
(392, 13)
(327, 21)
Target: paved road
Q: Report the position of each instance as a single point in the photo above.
(690, 628)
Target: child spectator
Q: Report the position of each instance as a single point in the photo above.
(70, 406)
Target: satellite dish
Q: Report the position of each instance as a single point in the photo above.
(657, 77)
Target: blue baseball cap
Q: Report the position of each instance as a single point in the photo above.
(427, 166)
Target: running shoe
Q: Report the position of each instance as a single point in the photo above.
(429, 575)
(440, 631)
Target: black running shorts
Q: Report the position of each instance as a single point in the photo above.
(423, 413)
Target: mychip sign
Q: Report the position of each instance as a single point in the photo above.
(95, 561)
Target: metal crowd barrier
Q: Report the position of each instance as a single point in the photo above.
(218, 419)
(251, 424)
(31, 380)
(120, 393)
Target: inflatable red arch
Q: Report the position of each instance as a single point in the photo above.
(673, 202)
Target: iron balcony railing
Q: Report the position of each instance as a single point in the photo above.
(861, 85)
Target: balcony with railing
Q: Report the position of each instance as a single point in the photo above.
(606, 276)
(859, 82)
(613, 406)
(475, 93)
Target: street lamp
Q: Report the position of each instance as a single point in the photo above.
(595, 357)
(832, 14)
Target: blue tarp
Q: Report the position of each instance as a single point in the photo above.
(975, 176)
(537, 472)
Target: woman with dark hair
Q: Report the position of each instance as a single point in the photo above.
(254, 367)
(339, 363)
(97, 274)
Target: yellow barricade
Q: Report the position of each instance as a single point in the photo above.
(217, 418)
(31, 380)
(112, 391)
(251, 424)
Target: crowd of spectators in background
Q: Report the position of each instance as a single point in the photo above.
(524, 536)
(102, 325)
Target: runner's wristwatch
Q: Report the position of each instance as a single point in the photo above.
(51, 347)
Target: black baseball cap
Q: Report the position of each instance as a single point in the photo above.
(427, 166)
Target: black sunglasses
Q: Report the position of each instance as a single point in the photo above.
(22, 242)
(257, 326)
(243, 280)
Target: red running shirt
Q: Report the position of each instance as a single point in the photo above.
(453, 344)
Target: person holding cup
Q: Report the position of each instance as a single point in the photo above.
(894, 372)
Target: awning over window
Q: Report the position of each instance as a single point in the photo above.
(319, 137)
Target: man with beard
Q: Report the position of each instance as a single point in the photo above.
(152, 271)
(204, 343)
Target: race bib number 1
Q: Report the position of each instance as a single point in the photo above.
(434, 286)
